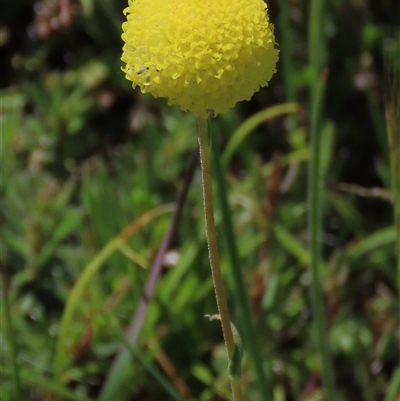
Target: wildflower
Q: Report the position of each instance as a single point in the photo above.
(202, 55)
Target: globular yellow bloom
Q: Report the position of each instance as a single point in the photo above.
(202, 55)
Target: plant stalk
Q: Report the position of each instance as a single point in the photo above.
(205, 159)
(316, 48)
(315, 229)
(392, 114)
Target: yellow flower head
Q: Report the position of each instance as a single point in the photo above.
(202, 55)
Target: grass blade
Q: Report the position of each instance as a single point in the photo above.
(116, 373)
(392, 113)
(61, 358)
(316, 47)
(247, 127)
(10, 336)
(44, 383)
(158, 376)
(315, 229)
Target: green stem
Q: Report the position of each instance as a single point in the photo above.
(245, 315)
(315, 229)
(315, 43)
(392, 114)
(11, 338)
(395, 168)
(211, 234)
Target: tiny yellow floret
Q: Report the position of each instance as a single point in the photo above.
(204, 56)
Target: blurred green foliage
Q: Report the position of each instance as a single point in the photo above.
(83, 155)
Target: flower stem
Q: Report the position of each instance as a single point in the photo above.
(206, 176)
(315, 225)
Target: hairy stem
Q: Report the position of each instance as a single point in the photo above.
(206, 176)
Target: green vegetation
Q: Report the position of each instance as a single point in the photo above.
(106, 281)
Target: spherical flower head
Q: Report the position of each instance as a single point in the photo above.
(202, 55)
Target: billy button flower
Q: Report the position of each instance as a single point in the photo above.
(204, 56)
